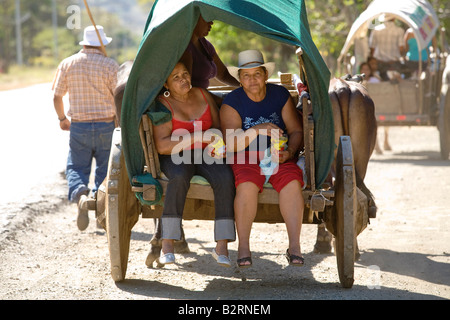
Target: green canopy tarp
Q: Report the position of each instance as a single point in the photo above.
(167, 34)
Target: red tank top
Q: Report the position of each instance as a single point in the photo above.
(203, 123)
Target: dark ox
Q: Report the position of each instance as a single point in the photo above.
(354, 115)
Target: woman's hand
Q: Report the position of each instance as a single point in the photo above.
(267, 129)
(216, 146)
(285, 155)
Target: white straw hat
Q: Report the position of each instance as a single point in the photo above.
(250, 59)
(90, 37)
(386, 17)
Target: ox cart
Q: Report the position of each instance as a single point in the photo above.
(134, 185)
(419, 96)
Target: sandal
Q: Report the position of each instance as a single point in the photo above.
(291, 257)
(240, 262)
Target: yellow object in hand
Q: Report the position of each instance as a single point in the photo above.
(219, 147)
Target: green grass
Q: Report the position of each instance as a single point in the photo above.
(24, 76)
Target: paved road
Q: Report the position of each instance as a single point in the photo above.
(33, 147)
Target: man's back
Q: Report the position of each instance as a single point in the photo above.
(90, 79)
(386, 41)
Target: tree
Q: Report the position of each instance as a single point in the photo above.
(44, 46)
(6, 30)
(38, 45)
(329, 21)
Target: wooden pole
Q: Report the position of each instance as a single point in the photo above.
(95, 26)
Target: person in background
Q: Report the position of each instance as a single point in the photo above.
(412, 52)
(373, 64)
(369, 77)
(89, 77)
(202, 60)
(249, 116)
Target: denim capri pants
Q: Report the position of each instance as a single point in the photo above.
(219, 176)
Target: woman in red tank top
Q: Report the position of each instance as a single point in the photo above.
(202, 123)
(193, 112)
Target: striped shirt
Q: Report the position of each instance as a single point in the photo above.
(90, 79)
(387, 39)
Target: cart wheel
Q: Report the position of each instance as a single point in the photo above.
(345, 209)
(444, 125)
(122, 209)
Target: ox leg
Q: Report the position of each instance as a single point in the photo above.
(155, 245)
(180, 246)
(377, 148)
(357, 254)
(387, 146)
(323, 241)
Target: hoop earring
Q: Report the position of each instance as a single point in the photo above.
(166, 93)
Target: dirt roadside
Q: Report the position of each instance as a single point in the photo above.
(405, 251)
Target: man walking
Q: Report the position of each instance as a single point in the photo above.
(90, 78)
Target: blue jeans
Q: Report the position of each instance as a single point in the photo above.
(88, 140)
(221, 179)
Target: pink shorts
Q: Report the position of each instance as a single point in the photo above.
(286, 173)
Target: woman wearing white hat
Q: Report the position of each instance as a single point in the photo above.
(249, 116)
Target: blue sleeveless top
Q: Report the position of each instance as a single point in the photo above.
(253, 113)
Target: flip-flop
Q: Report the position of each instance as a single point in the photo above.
(292, 257)
(240, 262)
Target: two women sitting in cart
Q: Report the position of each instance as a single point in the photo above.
(194, 109)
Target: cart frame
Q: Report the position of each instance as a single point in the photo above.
(343, 207)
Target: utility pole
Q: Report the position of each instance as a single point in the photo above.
(55, 29)
(18, 21)
(18, 34)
